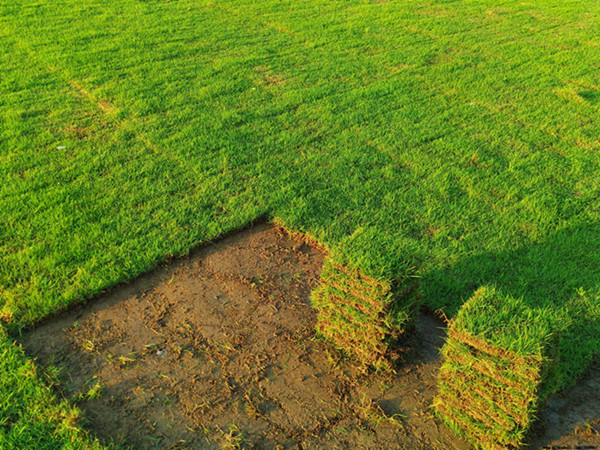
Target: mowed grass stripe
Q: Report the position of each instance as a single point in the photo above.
(75, 193)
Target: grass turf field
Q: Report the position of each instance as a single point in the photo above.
(455, 138)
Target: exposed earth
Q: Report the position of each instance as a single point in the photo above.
(218, 350)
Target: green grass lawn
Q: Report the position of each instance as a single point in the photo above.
(456, 137)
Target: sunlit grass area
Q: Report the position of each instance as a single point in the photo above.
(455, 140)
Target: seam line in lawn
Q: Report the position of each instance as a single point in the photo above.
(108, 110)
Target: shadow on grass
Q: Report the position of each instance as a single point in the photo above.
(560, 276)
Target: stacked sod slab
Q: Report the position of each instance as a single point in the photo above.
(363, 316)
(494, 378)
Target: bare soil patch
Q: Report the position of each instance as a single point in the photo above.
(218, 350)
(571, 420)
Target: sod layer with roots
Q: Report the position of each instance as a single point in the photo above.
(450, 143)
(362, 316)
(491, 391)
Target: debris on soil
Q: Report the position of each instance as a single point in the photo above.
(218, 350)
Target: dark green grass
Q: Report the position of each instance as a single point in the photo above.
(458, 137)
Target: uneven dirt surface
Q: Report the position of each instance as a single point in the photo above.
(217, 350)
(572, 419)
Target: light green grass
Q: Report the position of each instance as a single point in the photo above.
(457, 137)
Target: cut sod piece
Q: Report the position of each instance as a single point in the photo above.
(493, 380)
(362, 316)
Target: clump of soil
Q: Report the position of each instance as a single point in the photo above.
(218, 350)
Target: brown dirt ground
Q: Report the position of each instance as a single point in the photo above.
(217, 350)
(571, 420)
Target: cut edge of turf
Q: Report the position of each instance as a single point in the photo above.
(14, 323)
(364, 317)
(304, 237)
(34, 416)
